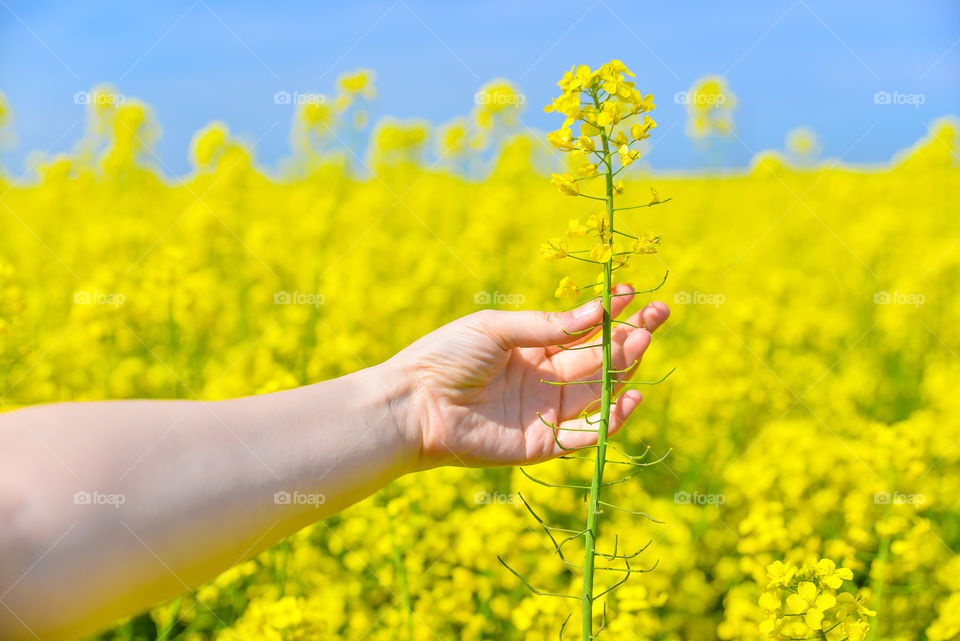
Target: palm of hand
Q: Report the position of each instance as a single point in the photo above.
(480, 383)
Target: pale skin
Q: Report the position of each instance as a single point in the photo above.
(174, 492)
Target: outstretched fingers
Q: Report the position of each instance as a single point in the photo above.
(547, 329)
(583, 362)
(623, 297)
(582, 432)
(628, 347)
(654, 315)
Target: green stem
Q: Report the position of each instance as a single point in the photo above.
(607, 392)
(167, 629)
(401, 571)
(879, 582)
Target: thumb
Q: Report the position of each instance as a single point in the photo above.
(542, 329)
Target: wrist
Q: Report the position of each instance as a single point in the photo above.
(394, 400)
(390, 411)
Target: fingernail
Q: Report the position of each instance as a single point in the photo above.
(588, 309)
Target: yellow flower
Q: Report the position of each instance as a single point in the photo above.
(646, 244)
(576, 229)
(568, 104)
(645, 104)
(566, 183)
(358, 82)
(770, 601)
(587, 170)
(813, 618)
(811, 603)
(598, 223)
(554, 249)
(577, 78)
(831, 576)
(656, 196)
(854, 605)
(561, 139)
(567, 288)
(642, 132)
(586, 144)
(601, 252)
(610, 114)
(618, 67)
(316, 113)
(618, 187)
(768, 625)
(587, 130)
(627, 155)
(598, 283)
(855, 630)
(780, 573)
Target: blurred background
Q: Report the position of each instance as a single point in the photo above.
(807, 63)
(203, 200)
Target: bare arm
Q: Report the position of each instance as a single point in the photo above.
(110, 507)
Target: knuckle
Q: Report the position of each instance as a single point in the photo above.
(485, 316)
(485, 323)
(551, 318)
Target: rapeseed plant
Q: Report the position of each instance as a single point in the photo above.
(605, 105)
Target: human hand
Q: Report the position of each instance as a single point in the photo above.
(478, 390)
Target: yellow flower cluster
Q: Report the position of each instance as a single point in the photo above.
(710, 106)
(602, 102)
(805, 603)
(812, 415)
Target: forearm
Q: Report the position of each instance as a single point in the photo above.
(178, 491)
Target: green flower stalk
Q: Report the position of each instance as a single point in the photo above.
(606, 105)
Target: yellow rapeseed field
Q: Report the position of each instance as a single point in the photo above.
(810, 429)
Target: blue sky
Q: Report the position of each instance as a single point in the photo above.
(816, 63)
